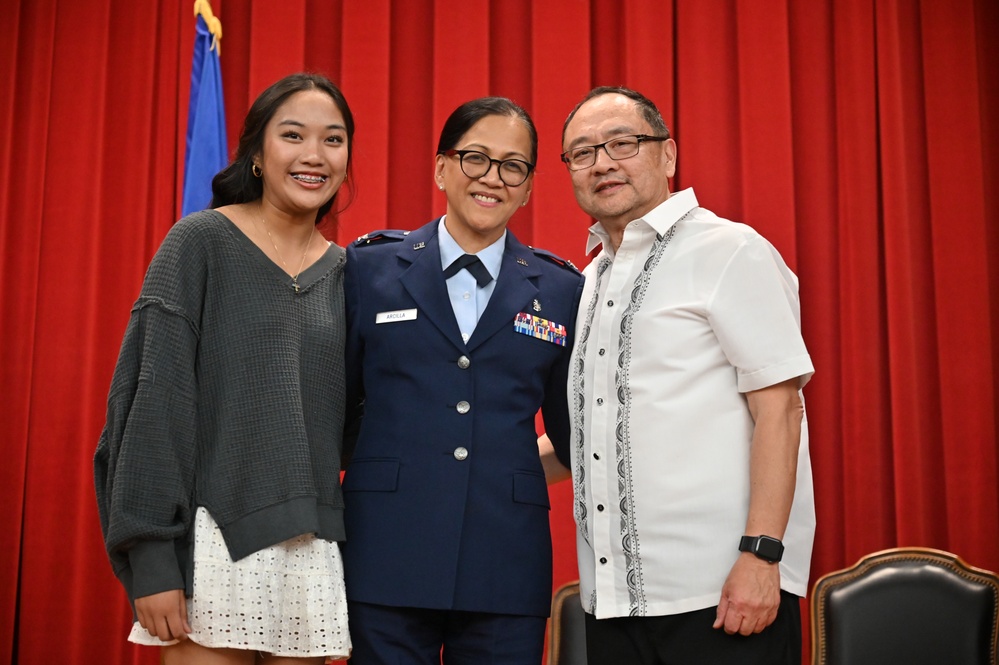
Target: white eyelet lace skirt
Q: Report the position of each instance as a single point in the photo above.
(285, 600)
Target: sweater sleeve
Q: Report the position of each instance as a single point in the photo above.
(144, 464)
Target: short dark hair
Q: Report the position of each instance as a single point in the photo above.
(236, 182)
(469, 113)
(645, 105)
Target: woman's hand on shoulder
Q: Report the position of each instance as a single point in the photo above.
(164, 615)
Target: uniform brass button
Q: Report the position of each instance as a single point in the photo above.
(464, 362)
(460, 453)
(462, 407)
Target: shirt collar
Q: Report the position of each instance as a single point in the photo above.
(660, 218)
(491, 256)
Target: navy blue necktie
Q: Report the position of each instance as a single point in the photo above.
(471, 263)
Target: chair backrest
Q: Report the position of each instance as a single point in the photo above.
(567, 632)
(909, 605)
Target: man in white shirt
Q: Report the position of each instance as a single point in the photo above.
(693, 490)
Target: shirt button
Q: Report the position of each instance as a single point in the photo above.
(460, 453)
(596, 455)
(464, 362)
(600, 507)
(610, 303)
(600, 400)
(603, 559)
(462, 407)
(466, 295)
(601, 352)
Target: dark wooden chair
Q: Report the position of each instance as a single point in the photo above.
(909, 605)
(567, 631)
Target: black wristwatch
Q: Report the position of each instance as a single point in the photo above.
(767, 548)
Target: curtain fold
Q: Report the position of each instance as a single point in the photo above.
(865, 518)
(18, 257)
(366, 78)
(859, 136)
(971, 485)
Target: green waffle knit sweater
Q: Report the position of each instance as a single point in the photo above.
(228, 394)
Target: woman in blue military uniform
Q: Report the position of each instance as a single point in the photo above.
(457, 335)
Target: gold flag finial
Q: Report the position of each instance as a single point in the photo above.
(203, 8)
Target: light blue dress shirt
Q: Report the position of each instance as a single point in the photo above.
(468, 299)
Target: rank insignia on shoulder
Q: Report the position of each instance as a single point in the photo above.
(378, 237)
(553, 258)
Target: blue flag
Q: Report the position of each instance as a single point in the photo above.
(207, 152)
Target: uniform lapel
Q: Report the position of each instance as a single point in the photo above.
(424, 281)
(515, 288)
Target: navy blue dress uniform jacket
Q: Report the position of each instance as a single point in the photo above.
(446, 501)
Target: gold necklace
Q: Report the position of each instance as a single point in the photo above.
(294, 278)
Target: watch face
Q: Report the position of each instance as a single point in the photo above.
(770, 549)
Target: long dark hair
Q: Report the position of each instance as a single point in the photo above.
(236, 182)
(469, 113)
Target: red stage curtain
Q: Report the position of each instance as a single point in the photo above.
(859, 136)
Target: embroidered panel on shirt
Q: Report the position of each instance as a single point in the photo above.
(579, 472)
(629, 529)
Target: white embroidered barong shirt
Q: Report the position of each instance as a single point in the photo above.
(691, 312)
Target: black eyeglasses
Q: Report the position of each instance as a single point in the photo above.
(475, 164)
(620, 147)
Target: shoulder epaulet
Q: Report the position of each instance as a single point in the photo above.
(378, 237)
(553, 258)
